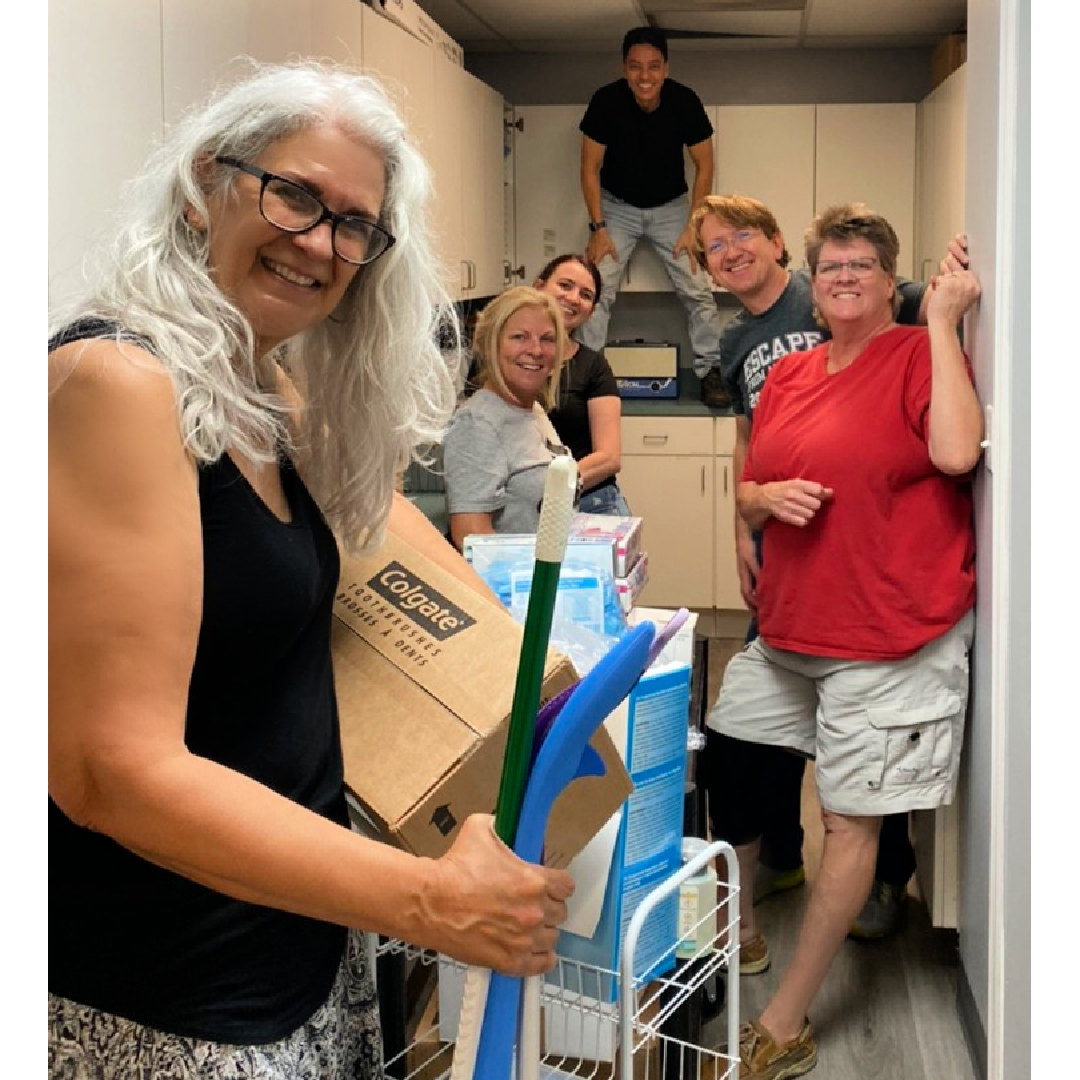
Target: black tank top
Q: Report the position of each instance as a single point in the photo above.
(133, 939)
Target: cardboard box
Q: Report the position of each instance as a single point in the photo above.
(629, 588)
(621, 536)
(650, 728)
(950, 54)
(425, 671)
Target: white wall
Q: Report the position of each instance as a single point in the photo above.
(995, 901)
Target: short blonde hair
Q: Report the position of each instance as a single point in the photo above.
(738, 212)
(488, 333)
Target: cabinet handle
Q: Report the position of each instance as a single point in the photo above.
(702, 479)
(654, 440)
(725, 479)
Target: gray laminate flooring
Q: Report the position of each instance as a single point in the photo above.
(887, 1010)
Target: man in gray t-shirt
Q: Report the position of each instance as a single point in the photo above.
(737, 239)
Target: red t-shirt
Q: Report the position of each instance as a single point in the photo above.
(888, 563)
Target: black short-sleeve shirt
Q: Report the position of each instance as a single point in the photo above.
(588, 375)
(643, 151)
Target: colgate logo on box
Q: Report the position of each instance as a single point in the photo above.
(416, 598)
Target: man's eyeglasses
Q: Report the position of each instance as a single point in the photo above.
(739, 238)
(859, 268)
(292, 208)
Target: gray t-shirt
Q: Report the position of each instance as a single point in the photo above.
(751, 344)
(496, 458)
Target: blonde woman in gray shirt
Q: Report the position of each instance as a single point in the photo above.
(500, 441)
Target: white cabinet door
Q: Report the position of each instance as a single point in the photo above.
(549, 211)
(280, 30)
(446, 163)
(667, 477)
(406, 68)
(105, 94)
(767, 152)
(940, 171)
(483, 210)
(866, 153)
(201, 42)
(726, 593)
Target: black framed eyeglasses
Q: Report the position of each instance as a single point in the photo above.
(293, 209)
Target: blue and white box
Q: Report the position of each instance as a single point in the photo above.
(651, 725)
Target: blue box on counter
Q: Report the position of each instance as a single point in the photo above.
(651, 725)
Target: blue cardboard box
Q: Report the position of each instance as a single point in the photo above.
(649, 845)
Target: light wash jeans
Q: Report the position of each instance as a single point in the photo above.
(606, 500)
(661, 226)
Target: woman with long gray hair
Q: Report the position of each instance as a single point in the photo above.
(255, 362)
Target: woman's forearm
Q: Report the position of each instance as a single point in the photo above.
(955, 420)
(753, 508)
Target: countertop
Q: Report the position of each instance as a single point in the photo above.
(688, 403)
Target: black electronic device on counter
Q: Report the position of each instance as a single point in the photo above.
(644, 369)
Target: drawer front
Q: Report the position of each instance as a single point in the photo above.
(725, 434)
(667, 435)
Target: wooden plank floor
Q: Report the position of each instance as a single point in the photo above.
(888, 1008)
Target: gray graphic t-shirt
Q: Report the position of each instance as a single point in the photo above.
(751, 344)
(495, 458)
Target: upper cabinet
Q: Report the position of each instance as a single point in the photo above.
(940, 173)
(104, 117)
(866, 153)
(795, 158)
(468, 162)
(785, 184)
(549, 211)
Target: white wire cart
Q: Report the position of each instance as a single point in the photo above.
(605, 1025)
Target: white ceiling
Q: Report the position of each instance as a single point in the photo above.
(553, 26)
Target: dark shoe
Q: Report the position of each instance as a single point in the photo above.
(768, 881)
(880, 913)
(713, 391)
(762, 1058)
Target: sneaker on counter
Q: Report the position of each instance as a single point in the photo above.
(880, 913)
(768, 881)
(761, 1057)
(754, 956)
(713, 391)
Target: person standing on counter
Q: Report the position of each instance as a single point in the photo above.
(859, 475)
(500, 441)
(588, 418)
(634, 184)
(253, 367)
(738, 241)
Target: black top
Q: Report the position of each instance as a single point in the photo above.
(588, 375)
(133, 939)
(643, 151)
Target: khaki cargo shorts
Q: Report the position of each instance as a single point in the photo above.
(885, 735)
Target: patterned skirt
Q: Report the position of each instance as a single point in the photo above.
(340, 1041)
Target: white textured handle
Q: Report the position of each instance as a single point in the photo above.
(529, 1036)
(557, 509)
(470, 1021)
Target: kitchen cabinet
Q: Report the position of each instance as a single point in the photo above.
(668, 478)
(678, 475)
(831, 153)
(406, 68)
(785, 130)
(467, 162)
(549, 212)
(941, 125)
(940, 176)
(727, 595)
(866, 153)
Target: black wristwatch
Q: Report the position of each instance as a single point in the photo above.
(596, 226)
